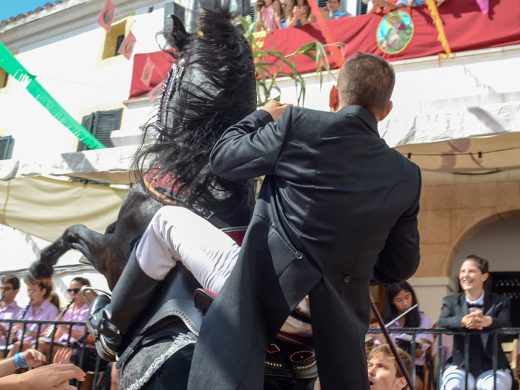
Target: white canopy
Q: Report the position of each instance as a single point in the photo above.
(477, 139)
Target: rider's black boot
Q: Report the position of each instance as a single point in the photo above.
(110, 322)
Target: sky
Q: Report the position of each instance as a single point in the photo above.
(10, 8)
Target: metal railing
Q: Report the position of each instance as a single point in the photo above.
(82, 347)
(440, 364)
(17, 331)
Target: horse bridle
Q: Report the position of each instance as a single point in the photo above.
(170, 87)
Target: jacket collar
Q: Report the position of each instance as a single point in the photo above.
(363, 114)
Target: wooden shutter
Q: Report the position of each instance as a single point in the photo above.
(362, 7)
(101, 124)
(6, 147)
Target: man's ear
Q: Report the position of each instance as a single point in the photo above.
(334, 99)
(401, 383)
(389, 107)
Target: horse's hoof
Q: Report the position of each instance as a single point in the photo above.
(41, 270)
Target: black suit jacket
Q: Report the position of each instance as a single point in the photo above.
(337, 206)
(454, 307)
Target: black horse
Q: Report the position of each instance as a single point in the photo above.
(210, 87)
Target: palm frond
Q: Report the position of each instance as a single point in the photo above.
(272, 64)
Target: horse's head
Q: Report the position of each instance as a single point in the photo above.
(211, 86)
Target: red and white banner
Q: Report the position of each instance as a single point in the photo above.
(465, 26)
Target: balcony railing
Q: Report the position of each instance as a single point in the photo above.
(438, 348)
(83, 348)
(84, 354)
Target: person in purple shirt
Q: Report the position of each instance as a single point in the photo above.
(41, 308)
(9, 309)
(77, 312)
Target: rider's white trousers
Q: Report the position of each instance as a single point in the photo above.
(177, 234)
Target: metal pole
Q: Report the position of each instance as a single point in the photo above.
(391, 344)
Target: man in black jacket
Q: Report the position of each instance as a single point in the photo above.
(337, 208)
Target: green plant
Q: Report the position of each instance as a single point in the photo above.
(270, 64)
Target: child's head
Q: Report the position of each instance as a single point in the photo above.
(384, 372)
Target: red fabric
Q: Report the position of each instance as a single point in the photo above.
(162, 63)
(464, 24)
(237, 235)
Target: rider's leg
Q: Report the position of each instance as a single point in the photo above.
(174, 234)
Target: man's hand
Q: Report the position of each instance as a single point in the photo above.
(276, 109)
(34, 358)
(51, 377)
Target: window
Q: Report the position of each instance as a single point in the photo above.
(3, 78)
(6, 147)
(101, 124)
(113, 39)
(362, 7)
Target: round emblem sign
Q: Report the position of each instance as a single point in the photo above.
(395, 32)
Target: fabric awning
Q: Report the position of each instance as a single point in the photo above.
(45, 207)
(477, 139)
(473, 155)
(110, 165)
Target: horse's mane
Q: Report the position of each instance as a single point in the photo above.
(215, 90)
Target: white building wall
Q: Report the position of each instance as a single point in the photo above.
(430, 84)
(69, 66)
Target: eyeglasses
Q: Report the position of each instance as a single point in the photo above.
(73, 290)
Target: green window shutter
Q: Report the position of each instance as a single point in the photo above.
(6, 147)
(101, 124)
(104, 123)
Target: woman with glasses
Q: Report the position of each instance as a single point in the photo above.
(77, 311)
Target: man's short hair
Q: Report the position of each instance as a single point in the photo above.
(385, 351)
(12, 280)
(366, 80)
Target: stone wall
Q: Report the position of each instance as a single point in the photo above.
(453, 208)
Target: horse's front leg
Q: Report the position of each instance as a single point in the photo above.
(90, 243)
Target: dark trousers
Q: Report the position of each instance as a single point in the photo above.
(174, 373)
(274, 383)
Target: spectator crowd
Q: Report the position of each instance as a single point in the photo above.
(277, 14)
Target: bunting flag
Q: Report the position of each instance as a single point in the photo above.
(146, 76)
(327, 33)
(107, 14)
(12, 66)
(484, 6)
(437, 21)
(127, 46)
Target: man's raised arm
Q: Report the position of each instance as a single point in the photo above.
(251, 147)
